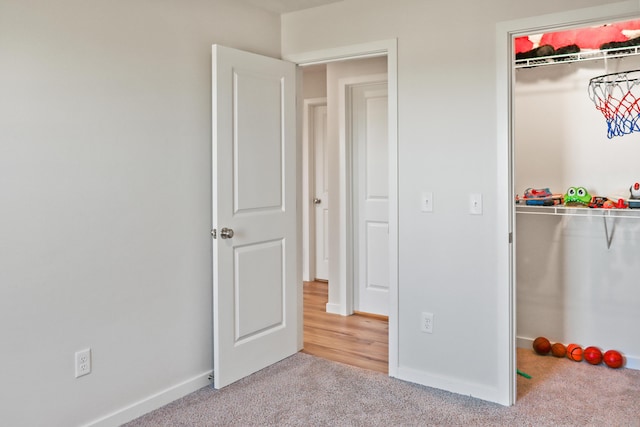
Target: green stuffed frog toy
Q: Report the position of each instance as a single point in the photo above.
(577, 195)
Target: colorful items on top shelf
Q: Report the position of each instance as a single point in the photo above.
(605, 203)
(634, 198)
(580, 197)
(540, 197)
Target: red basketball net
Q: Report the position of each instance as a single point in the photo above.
(613, 96)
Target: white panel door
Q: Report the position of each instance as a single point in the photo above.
(371, 197)
(254, 194)
(321, 185)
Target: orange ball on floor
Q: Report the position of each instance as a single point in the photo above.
(558, 350)
(574, 352)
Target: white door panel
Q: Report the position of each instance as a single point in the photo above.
(253, 183)
(375, 145)
(377, 239)
(257, 118)
(371, 197)
(259, 288)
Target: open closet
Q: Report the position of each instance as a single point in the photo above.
(577, 268)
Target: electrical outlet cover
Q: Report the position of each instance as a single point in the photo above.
(426, 323)
(83, 362)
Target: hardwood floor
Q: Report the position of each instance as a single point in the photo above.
(358, 340)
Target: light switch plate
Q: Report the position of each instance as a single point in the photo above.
(475, 204)
(426, 201)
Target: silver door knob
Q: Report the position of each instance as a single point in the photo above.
(226, 233)
(317, 201)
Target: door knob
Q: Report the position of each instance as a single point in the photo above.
(317, 201)
(226, 233)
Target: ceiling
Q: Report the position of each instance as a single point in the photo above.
(286, 6)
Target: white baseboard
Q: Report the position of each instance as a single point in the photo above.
(453, 385)
(631, 362)
(152, 402)
(334, 308)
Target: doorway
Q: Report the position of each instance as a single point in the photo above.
(340, 296)
(357, 118)
(506, 253)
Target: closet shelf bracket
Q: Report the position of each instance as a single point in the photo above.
(606, 231)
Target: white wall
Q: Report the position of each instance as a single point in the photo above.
(105, 199)
(570, 286)
(447, 145)
(315, 82)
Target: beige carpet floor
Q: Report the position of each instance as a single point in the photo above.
(307, 391)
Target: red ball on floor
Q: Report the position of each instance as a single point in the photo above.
(613, 359)
(592, 355)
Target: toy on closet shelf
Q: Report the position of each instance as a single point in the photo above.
(537, 193)
(599, 202)
(634, 198)
(621, 204)
(540, 197)
(577, 196)
(606, 203)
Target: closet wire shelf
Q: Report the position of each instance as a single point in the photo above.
(587, 55)
(578, 211)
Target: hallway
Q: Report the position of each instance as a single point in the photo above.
(358, 340)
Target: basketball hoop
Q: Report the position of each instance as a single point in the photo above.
(613, 95)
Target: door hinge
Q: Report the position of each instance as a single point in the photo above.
(510, 237)
(214, 233)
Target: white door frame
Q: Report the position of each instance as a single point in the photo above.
(505, 33)
(347, 221)
(308, 188)
(386, 48)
